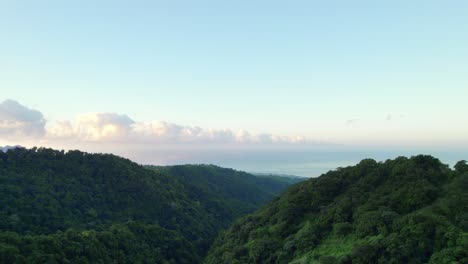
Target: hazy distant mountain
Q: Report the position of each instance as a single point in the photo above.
(280, 176)
(6, 148)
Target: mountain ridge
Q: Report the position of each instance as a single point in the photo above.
(106, 207)
(405, 210)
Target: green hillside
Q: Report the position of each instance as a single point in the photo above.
(237, 191)
(399, 211)
(75, 207)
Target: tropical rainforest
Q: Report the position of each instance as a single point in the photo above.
(406, 210)
(75, 207)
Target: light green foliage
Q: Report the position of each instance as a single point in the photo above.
(398, 211)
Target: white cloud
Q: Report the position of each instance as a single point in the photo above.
(18, 121)
(105, 127)
(94, 127)
(170, 133)
(166, 132)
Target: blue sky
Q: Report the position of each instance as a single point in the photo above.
(373, 73)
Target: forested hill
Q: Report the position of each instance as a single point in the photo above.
(75, 207)
(406, 210)
(233, 189)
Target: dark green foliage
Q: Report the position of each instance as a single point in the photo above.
(124, 243)
(328, 260)
(222, 189)
(461, 166)
(398, 211)
(342, 229)
(58, 207)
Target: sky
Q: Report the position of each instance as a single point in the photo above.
(165, 81)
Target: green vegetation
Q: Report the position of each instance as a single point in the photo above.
(399, 211)
(227, 187)
(74, 207)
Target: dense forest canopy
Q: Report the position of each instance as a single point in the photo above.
(215, 184)
(406, 210)
(75, 207)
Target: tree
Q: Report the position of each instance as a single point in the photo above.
(461, 166)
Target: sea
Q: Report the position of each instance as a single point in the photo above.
(314, 164)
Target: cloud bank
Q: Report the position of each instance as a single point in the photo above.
(112, 127)
(18, 121)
